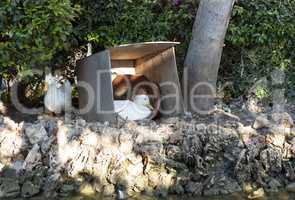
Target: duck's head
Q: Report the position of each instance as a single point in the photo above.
(143, 100)
(49, 80)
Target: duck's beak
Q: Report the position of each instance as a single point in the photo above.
(46, 87)
(150, 106)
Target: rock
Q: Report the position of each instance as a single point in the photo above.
(193, 156)
(10, 124)
(67, 189)
(221, 185)
(158, 177)
(29, 189)
(154, 150)
(51, 186)
(51, 127)
(201, 128)
(1, 166)
(109, 190)
(248, 188)
(146, 135)
(121, 194)
(271, 159)
(33, 158)
(126, 147)
(222, 116)
(179, 166)
(176, 138)
(8, 172)
(86, 189)
(246, 132)
(261, 122)
(177, 189)
(36, 133)
(283, 119)
(141, 183)
(161, 192)
(11, 139)
(166, 179)
(46, 144)
(257, 194)
(276, 139)
(90, 138)
(290, 187)
(273, 186)
(289, 170)
(194, 188)
(9, 188)
(17, 165)
(174, 152)
(135, 169)
(81, 122)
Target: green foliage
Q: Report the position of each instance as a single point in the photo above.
(260, 39)
(39, 33)
(33, 31)
(112, 22)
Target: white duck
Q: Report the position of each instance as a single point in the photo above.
(58, 96)
(139, 109)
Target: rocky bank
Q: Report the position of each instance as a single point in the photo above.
(188, 155)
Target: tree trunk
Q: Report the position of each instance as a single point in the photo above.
(204, 54)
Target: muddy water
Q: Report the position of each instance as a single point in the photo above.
(278, 196)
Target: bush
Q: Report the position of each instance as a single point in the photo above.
(39, 33)
(32, 32)
(260, 39)
(113, 22)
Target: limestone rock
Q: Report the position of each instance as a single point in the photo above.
(273, 186)
(126, 146)
(271, 159)
(161, 192)
(10, 124)
(36, 133)
(176, 138)
(141, 183)
(176, 189)
(90, 138)
(291, 187)
(261, 122)
(135, 169)
(257, 194)
(283, 119)
(246, 132)
(87, 189)
(174, 152)
(248, 188)
(33, 158)
(11, 144)
(9, 188)
(194, 188)
(109, 190)
(154, 150)
(29, 189)
(221, 185)
(277, 139)
(67, 189)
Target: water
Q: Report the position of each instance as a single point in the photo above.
(277, 196)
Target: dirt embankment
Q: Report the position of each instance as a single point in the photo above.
(211, 155)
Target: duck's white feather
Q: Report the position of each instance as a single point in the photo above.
(131, 111)
(55, 100)
(58, 96)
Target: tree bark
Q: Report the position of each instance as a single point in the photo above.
(204, 54)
